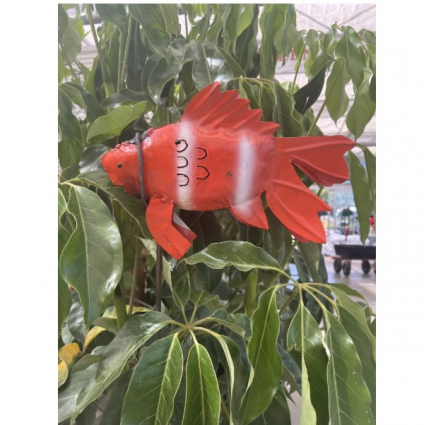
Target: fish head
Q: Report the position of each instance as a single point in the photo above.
(158, 157)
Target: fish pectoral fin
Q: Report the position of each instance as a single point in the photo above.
(183, 228)
(173, 238)
(251, 213)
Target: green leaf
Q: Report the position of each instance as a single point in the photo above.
(62, 370)
(291, 370)
(335, 93)
(358, 313)
(209, 66)
(165, 115)
(309, 94)
(170, 15)
(235, 67)
(75, 319)
(305, 336)
(236, 18)
(130, 204)
(127, 96)
(84, 99)
(90, 160)
(266, 366)
(154, 27)
(148, 68)
(71, 144)
(365, 349)
(361, 194)
(203, 401)
(348, 396)
(272, 19)
(286, 36)
(64, 295)
(69, 392)
(200, 298)
(291, 122)
(277, 412)
(181, 53)
(114, 356)
(370, 162)
(181, 285)
(71, 43)
(247, 44)
(108, 126)
(91, 261)
(114, 13)
(350, 48)
(242, 255)
(362, 110)
(154, 384)
(308, 415)
(62, 20)
(348, 290)
(311, 253)
(228, 320)
(115, 400)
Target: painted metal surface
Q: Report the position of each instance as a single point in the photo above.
(221, 155)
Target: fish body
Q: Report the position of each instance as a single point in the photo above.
(220, 155)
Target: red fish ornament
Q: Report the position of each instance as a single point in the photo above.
(221, 155)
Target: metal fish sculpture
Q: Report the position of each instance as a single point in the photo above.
(221, 155)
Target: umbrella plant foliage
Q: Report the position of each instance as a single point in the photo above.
(236, 335)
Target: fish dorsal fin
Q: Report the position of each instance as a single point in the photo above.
(213, 109)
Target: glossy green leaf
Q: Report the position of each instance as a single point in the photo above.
(181, 53)
(348, 396)
(228, 320)
(165, 115)
(236, 18)
(114, 13)
(181, 285)
(350, 48)
(111, 125)
(277, 412)
(130, 204)
(85, 362)
(266, 366)
(309, 94)
(115, 400)
(286, 36)
(154, 384)
(127, 96)
(170, 15)
(247, 44)
(235, 67)
(153, 26)
(71, 43)
(114, 356)
(271, 21)
(311, 253)
(291, 122)
(308, 415)
(90, 160)
(305, 336)
(84, 99)
(348, 290)
(362, 110)
(361, 194)
(242, 255)
(64, 295)
(200, 298)
(203, 401)
(91, 261)
(358, 313)
(291, 370)
(148, 68)
(62, 20)
(69, 392)
(370, 162)
(209, 66)
(335, 93)
(75, 319)
(365, 350)
(71, 144)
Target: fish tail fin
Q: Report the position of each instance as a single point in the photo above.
(296, 206)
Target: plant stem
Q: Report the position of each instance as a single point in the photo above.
(105, 72)
(158, 277)
(121, 46)
(297, 69)
(120, 306)
(69, 63)
(127, 49)
(134, 279)
(331, 301)
(289, 300)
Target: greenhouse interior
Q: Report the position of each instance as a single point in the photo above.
(217, 214)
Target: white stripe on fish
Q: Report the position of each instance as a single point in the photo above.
(245, 171)
(184, 193)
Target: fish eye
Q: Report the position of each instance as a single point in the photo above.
(119, 165)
